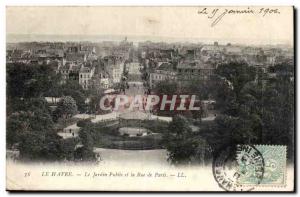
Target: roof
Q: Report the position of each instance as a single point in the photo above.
(75, 68)
(59, 53)
(16, 53)
(166, 67)
(109, 91)
(211, 48)
(194, 65)
(233, 49)
(92, 57)
(75, 56)
(52, 99)
(85, 69)
(65, 67)
(251, 50)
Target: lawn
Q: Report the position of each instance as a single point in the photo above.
(108, 136)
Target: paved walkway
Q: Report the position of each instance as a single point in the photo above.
(98, 118)
(157, 156)
(110, 116)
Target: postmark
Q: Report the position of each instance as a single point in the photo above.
(239, 168)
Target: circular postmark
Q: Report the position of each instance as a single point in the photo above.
(238, 168)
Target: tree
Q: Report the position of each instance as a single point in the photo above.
(72, 85)
(180, 141)
(34, 133)
(86, 138)
(31, 146)
(66, 107)
(256, 109)
(56, 89)
(30, 127)
(180, 126)
(17, 77)
(166, 87)
(36, 104)
(78, 97)
(52, 147)
(84, 154)
(86, 151)
(27, 121)
(28, 81)
(73, 89)
(278, 107)
(204, 89)
(16, 124)
(46, 146)
(237, 73)
(94, 103)
(83, 123)
(68, 148)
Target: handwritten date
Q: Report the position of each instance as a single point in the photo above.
(217, 14)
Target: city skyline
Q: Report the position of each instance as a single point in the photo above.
(22, 38)
(150, 98)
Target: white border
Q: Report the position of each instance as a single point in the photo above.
(4, 3)
(151, 2)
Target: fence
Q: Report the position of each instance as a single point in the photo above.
(134, 145)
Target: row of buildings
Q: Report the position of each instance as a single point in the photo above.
(99, 73)
(102, 64)
(78, 62)
(185, 63)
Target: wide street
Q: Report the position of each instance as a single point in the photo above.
(134, 80)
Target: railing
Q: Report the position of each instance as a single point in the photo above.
(133, 146)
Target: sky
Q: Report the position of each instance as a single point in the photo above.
(156, 23)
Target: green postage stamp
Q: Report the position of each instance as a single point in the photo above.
(274, 166)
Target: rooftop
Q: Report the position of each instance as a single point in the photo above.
(194, 65)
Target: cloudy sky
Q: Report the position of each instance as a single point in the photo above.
(176, 23)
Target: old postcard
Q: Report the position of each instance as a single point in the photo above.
(150, 98)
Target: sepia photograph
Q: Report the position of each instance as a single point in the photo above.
(140, 98)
